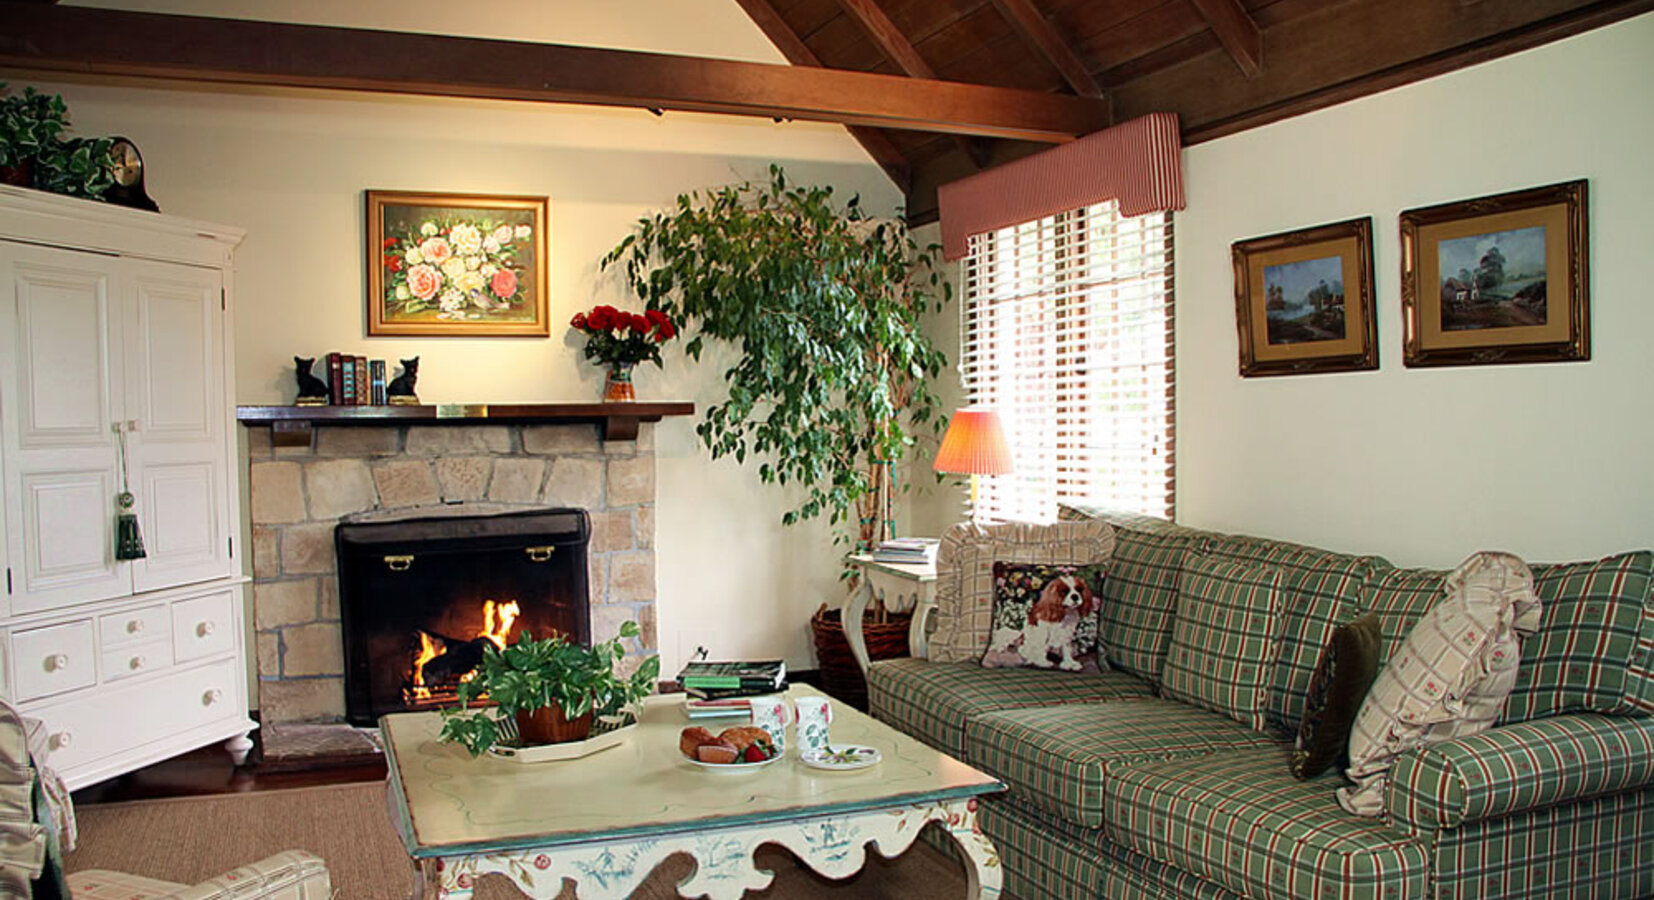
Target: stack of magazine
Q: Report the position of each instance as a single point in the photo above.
(723, 688)
(907, 550)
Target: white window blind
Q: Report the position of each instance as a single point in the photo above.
(1067, 333)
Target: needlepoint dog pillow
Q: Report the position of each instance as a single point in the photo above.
(1044, 616)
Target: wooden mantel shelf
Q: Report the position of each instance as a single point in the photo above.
(290, 426)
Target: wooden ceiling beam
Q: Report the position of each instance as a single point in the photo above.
(1038, 32)
(901, 51)
(1236, 31)
(58, 38)
(877, 144)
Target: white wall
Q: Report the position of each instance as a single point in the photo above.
(1427, 465)
(291, 166)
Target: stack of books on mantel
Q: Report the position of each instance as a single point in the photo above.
(919, 551)
(723, 688)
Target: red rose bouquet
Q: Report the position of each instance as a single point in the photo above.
(617, 336)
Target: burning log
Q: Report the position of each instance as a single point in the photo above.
(444, 660)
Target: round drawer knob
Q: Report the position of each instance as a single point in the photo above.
(137, 663)
(212, 696)
(204, 629)
(135, 626)
(57, 662)
(62, 739)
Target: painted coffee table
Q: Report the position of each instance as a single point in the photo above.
(605, 821)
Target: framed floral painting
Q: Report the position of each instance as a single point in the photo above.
(1500, 279)
(456, 265)
(1304, 300)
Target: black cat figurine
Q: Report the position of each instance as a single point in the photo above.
(312, 390)
(401, 389)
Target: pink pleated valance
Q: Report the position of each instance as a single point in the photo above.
(1138, 163)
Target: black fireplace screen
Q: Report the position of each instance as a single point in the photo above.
(421, 597)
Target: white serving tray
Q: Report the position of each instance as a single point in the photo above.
(610, 732)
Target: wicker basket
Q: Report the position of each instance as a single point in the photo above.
(840, 676)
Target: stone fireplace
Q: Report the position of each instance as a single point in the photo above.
(300, 494)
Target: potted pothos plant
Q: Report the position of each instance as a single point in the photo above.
(825, 305)
(552, 687)
(34, 154)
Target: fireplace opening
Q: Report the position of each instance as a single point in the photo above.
(422, 596)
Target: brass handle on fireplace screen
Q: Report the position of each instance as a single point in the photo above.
(539, 554)
(398, 563)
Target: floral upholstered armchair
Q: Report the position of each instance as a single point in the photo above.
(37, 824)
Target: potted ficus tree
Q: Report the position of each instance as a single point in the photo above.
(824, 305)
(552, 688)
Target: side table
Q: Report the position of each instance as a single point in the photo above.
(899, 587)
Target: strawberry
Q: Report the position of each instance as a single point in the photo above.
(755, 753)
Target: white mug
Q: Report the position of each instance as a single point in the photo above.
(770, 714)
(814, 714)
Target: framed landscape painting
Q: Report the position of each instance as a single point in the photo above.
(456, 265)
(1304, 300)
(1500, 279)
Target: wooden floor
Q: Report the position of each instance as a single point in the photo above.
(209, 771)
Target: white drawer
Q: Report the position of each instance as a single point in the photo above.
(124, 716)
(128, 660)
(132, 626)
(53, 659)
(203, 626)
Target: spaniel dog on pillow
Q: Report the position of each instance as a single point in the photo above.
(1044, 617)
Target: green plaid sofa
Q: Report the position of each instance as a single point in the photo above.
(1119, 792)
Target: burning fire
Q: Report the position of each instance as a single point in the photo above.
(497, 619)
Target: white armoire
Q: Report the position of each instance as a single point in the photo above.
(115, 374)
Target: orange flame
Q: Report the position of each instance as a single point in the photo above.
(497, 620)
(427, 652)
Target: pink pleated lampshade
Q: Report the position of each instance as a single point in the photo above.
(974, 444)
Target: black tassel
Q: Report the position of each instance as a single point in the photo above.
(129, 543)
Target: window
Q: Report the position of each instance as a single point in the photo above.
(1067, 333)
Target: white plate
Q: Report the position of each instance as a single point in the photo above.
(730, 768)
(841, 757)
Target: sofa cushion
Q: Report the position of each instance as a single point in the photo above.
(1346, 670)
(1593, 616)
(933, 701)
(1241, 820)
(1045, 616)
(1226, 637)
(1450, 677)
(965, 574)
(1400, 598)
(1059, 759)
(1319, 589)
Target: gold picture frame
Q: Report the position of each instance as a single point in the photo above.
(1304, 300)
(1498, 279)
(457, 265)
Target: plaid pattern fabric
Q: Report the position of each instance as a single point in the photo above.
(1519, 768)
(1241, 821)
(289, 875)
(1226, 637)
(102, 884)
(1140, 600)
(1400, 598)
(1450, 677)
(1046, 858)
(1059, 759)
(933, 701)
(965, 574)
(1594, 615)
(1599, 848)
(1320, 589)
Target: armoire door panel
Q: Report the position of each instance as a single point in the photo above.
(62, 355)
(181, 525)
(173, 356)
(69, 557)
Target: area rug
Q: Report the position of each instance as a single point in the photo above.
(191, 839)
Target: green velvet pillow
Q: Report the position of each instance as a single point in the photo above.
(1343, 674)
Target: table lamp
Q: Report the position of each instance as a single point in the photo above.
(973, 445)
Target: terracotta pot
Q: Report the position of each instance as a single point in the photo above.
(548, 725)
(20, 175)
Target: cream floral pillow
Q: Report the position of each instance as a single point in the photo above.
(1449, 678)
(965, 574)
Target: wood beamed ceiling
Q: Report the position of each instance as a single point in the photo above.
(933, 89)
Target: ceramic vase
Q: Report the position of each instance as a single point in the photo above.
(617, 388)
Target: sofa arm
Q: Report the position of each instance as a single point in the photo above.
(1520, 767)
(291, 875)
